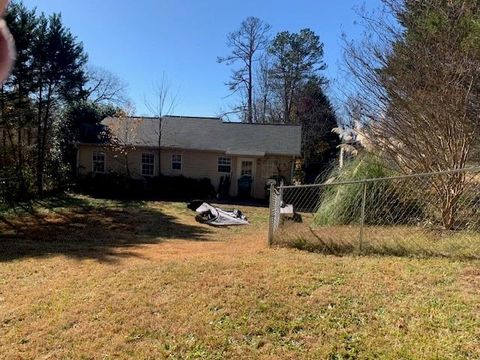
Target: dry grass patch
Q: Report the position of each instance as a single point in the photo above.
(396, 240)
(95, 279)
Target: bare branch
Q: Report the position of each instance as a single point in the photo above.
(105, 87)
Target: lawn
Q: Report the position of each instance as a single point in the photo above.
(399, 240)
(95, 279)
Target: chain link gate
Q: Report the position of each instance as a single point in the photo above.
(430, 214)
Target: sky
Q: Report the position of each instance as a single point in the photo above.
(141, 40)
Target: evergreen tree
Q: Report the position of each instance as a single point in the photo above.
(317, 117)
(82, 123)
(296, 57)
(59, 62)
(48, 75)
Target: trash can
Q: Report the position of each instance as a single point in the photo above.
(245, 186)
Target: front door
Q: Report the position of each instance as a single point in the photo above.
(245, 176)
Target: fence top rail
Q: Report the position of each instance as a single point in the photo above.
(400, 177)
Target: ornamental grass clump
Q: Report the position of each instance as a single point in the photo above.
(386, 201)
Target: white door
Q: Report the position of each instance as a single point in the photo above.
(246, 167)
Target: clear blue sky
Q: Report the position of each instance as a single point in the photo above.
(139, 40)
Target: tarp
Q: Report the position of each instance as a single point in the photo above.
(216, 216)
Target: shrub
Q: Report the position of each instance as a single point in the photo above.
(165, 187)
(180, 187)
(110, 185)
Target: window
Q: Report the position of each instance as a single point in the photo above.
(224, 165)
(270, 168)
(98, 162)
(176, 162)
(148, 164)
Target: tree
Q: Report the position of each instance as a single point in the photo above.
(82, 123)
(16, 105)
(49, 74)
(104, 87)
(163, 102)
(416, 77)
(246, 43)
(295, 58)
(122, 134)
(58, 77)
(317, 117)
(263, 94)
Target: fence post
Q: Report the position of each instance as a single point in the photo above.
(281, 194)
(271, 219)
(362, 216)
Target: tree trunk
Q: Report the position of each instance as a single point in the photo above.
(159, 144)
(127, 168)
(286, 114)
(43, 146)
(250, 93)
(39, 175)
(452, 190)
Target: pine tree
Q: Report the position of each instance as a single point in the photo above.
(317, 117)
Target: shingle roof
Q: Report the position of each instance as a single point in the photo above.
(208, 134)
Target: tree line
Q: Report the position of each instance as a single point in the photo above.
(279, 80)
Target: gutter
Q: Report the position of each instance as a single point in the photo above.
(223, 151)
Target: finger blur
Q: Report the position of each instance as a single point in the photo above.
(3, 5)
(7, 52)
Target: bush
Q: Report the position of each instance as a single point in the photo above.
(165, 187)
(110, 185)
(15, 188)
(180, 187)
(385, 204)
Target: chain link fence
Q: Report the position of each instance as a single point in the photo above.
(432, 214)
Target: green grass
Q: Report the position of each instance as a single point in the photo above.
(82, 278)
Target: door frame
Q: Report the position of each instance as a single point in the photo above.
(239, 171)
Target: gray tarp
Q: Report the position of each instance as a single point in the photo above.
(216, 216)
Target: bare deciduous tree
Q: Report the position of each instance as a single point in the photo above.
(105, 87)
(415, 77)
(246, 42)
(123, 135)
(263, 103)
(163, 101)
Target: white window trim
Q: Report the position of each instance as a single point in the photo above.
(218, 164)
(154, 164)
(181, 162)
(104, 162)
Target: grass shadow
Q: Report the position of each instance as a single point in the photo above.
(77, 228)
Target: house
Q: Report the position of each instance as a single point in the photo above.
(197, 148)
